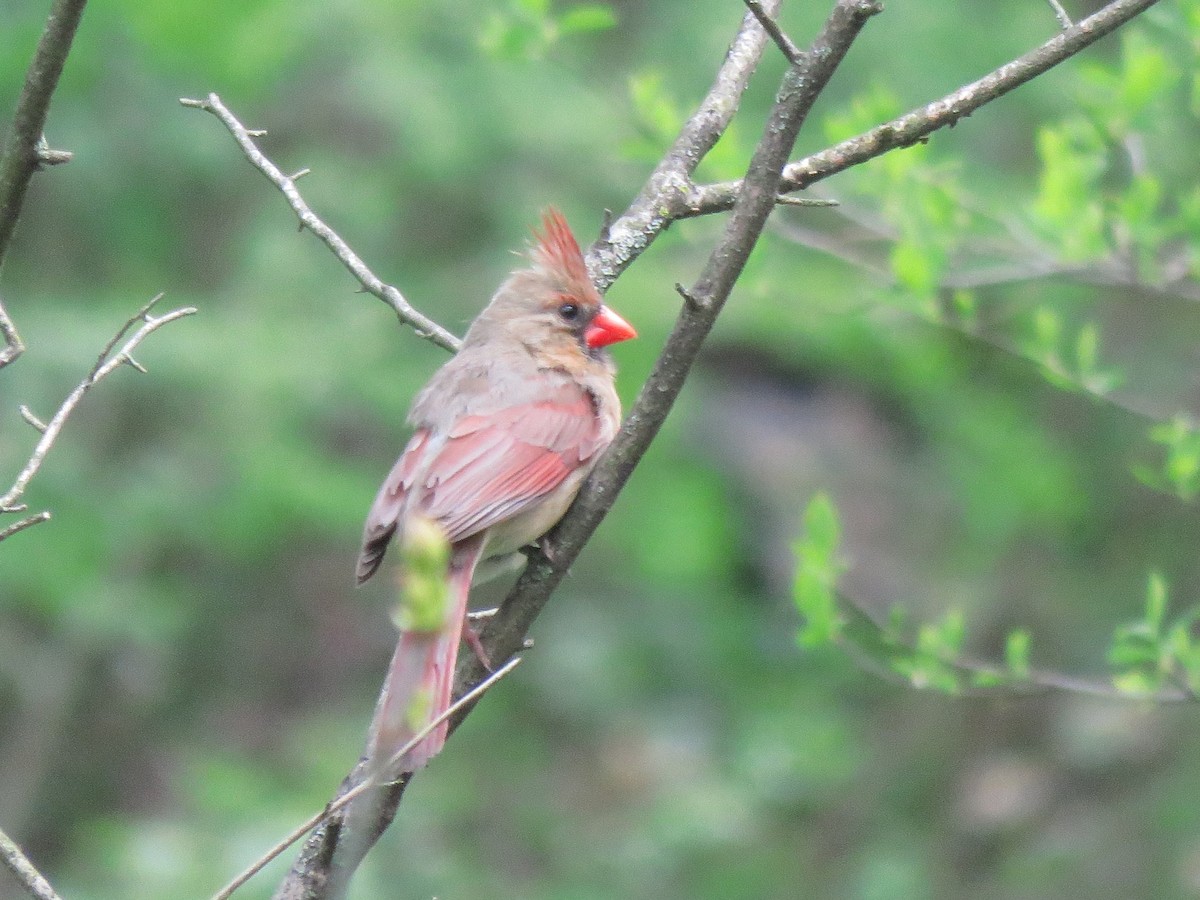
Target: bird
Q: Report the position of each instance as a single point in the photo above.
(504, 434)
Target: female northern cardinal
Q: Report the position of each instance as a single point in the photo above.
(505, 433)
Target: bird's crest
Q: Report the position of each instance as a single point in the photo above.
(556, 249)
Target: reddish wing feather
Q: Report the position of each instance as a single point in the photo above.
(389, 506)
(493, 467)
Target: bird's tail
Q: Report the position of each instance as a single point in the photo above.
(420, 681)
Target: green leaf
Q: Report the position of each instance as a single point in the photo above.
(588, 18)
(815, 587)
(1016, 653)
(1156, 602)
(914, 267)
(821, 526)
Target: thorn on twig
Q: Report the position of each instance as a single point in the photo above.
(687, 295)
(28, 416)
(300, 174)
(786, 46)
(133, 363)
(606, 221)
(256, 132)
(15, 508)
(193, 104)
(49, 157)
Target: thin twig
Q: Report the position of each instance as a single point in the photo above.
(24, 148)
(620, 242)
(13, 345)
(663, 199)
(422, 324)
(917, 125)
(1059, 13)
(26, 873)
(662, 196)
(367, 783)
(109, 360)
(27, 522)
(504, 633)
(817, 202)
(874, 649)
(789, 50)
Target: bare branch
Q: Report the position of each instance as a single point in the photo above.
(789, 50)
(296, 885)
(13, 345)
(663, 195)
(917, 125)
(667, 195)
(28, 416)
(801, 84)
(27, 522)
(1059, 13)
(423, 325)
(110, 359)
(620, 242)
(24, 150)
(18, 863)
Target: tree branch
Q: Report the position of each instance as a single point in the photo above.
(24, 150)
(18, 863)
(875, 649)
(662, 198)
(13, 345)
(505, 632)
(106, 364)
(668, 195)
(789, 50)
(917, 125)
(621, 242)
(424, 326)
(344, 799)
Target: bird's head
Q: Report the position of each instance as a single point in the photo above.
(554, 301)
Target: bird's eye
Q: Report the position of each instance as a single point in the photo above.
(569, 311)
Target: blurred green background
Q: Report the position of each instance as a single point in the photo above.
(186, 671)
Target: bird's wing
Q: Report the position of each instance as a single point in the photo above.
(388, 507)
(494, 465)
(491, 466)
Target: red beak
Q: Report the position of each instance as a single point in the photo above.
(607, 328)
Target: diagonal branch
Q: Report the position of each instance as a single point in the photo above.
(423, 325)
(917, 125)
(24, 150)
(621, 243)
(668, 195)
(110, 359)
(504, 634)
(789, 50)
(343, 799)
(662, 198)
(18, 863)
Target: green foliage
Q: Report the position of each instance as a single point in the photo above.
(1075, 369)
(1016, 653)
(1179, 471)
(529, 29)
(1152, 654)
(818, 567)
